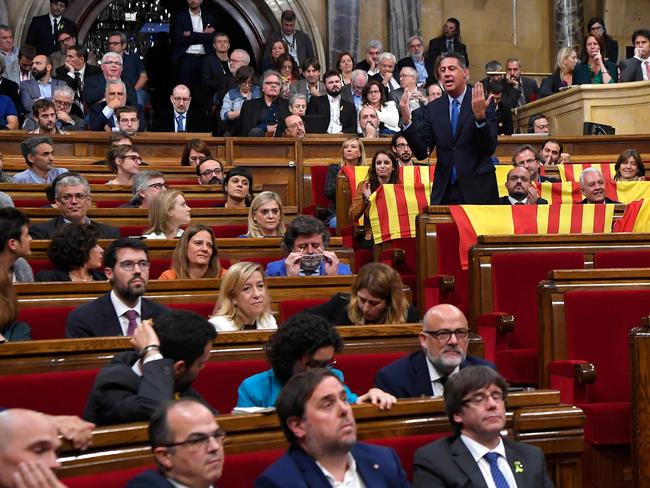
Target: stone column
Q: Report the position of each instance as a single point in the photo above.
(343, 22)
(404, 18)
(569, 23)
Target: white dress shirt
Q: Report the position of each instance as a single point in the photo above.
(352, 479)
(197, 26)
(121, 309)
(478, 450)
(434, 376)
(334, 126)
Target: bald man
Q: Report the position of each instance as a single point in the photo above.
(443, 341)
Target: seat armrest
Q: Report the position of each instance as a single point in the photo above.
(494, 328)
(572, 378)
(393, 257)
(446, 283)
(503, 322)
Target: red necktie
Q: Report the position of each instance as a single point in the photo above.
(132, 315)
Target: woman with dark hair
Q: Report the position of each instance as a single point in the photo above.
(594, 69)
(10, 329)
(345, 66)
(596, 27)
(125, 162)
(304, 342)
(194, 151)
(278, 48)
(238, 185)
(629, 166)
(288, 69)
(245, 89)
(75, 254)
(383, 170)
(376, 297)
(196, 256)
(373, 95)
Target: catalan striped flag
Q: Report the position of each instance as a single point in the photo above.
(558, 193)
(409, 175)
(475, 220)
(355, 175)
(571, 171)
(393, 209)
(627, 191)
(636, 217)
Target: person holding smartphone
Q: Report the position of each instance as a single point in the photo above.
(594, 69)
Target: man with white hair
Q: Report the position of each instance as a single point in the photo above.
(415, 60)
(112, 69)
(592, 186)
(102, 114)
(408, 81)
(386, 62)
(65, 120)
(373, 49)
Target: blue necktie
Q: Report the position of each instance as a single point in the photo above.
(179, 121)
(455, 112)
(497, 475)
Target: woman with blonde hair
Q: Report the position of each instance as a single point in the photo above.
(266, 216)
(566, 60)
(196, 256)
(167, 212)
(377, 297)
(244, 302)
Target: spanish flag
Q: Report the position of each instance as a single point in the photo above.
(393, 209)
(476, 220)
(636, 217)
(571, 171)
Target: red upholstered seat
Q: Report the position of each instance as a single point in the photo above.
(407, 269)
(46, 322)
(242, 469)
(30, 202)
(204, 309)
(109, 203)
(40, 264)
(232, 230)
(359, 369)
(622, 259)
(597, 326)
(133, 230)
(515, 277)
(113, 479)
(159, 266)
(289, 308)
(405, 446)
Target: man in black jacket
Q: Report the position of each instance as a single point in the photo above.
(340, 114)
(44, 29)
(264, 116)
(448, 42)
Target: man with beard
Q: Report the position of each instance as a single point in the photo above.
(592, 186)
(42, 85)
(368, 122)
(295, 127)
(518, 185)
(341, 114)
(415, 60)
(264, 116)
(209, 171)
(169, 352)
(401, 149)
(44, 113)
(317, 421)
(444, 340)
(120, 311)
(553, 152)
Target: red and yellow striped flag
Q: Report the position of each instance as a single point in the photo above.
(558, 193)
(355, 175)
(571, 171)
(627, 191)
(636, 217)
(409, 175)
(476, 220)
(393, 209)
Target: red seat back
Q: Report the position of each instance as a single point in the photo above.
(204, 309)
(359, 370)
(112, 479)
(449, 264)
(405, 447)
(133, 230)
(244, 468)
(159, 266)
(232, 230)
(318, 177)
(289, 308)
(40, 264)
(46, 322)
(30, 202)
(622, 259)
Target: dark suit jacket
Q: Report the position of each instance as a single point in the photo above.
(348, 113)
(214, 78)
(378, 466)
(183, 23)
(96, 118)
(447, 462)
(90, 71)
(29, 92)
(250, 111)
(62, 275)
(336, 310)
(149, 479)
(505, 201)
(40, 35)
(551, 84)
(632, 70)
(409, 376)
(45, 230)
(196, 121)
(607, 200)
(510, 95)
(437, 46)
(408, 62)
(98, 318)
(304, 46)
(470, 150)
(119, 395)
(95, 89)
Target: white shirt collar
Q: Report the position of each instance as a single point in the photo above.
(460, 97)
(514, 201)
(478, 450)
(434, 376)
(121, 308)
(176, 484)
(350, 479)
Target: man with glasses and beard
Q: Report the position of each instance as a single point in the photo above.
(120, 311)
(443, 341)
(518, 184)
(42, 85)
(209, 171)
(340, 114)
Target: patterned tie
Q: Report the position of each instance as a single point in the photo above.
(180, 121)
(497, 475)
(132, 315)
(455, 112)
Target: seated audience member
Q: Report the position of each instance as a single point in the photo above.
(125, 161)
(169, 352)
(519, 90)
(638, 67)
(502, 110)
(277, 49)
(375, 97)
(102, 115)
(408, 83)
(75, 254)
(117, 138)
(518, 184)
(66, 39)
(433, 92)
(38, 152)
(319, 425)
(553, 152)
(112, 67)
(340, 114)
(3, 177)
(15, 244)
(196, 256)
(567, 59)
(369, 122)
(194, 151)
(238, 185)
(311, 85)
(180, 117)
(294, 127)
(133, 70)
(215, 69)
(443, 341)
(65, 120)
(369, 64)
(383, 170)
(476, 454)
(386, 64)
(538, 124)
(44, 114)
(298, 104)
(5, 200)
(596, 27)
(376, 297)
(592, 186)
(345, 66)
(128, 120)
(121, 310)
(400, 147)
(353, 153)
(244, 301)
(306, 240)
(297, 42)
(11, 329)
(416, 60)
(304, 342)
(8, 114)
(528, 157)
(629, 166)
(594, 69)
(209, 171)
(168, 211)
(146, 185)
(353, 92)
(266, 216)
(263, 116)
(10, 80)
(73, 199)
(288, 69)
(187, 445)
(245, 89)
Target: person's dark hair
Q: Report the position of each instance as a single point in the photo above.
(458, 56)
(50, 190)
(28, 146)
(42, 104)
(531, 121)
(329, 73)
(241, 171)
(310, 62)
(465, 382)
(304, 225)
(301, 335)
(525, 147)
(243, 74)
(397, 135)
(496, 86)
(110, 254)
(183, 335)
(456, 22)
(493, 65)
(12, 222)
(71, 245)
(279, 61)
(28, 51)
(118, 152)
(199, 146)
(625, 154)
(118, 136)
(160, 433)
(366, 89)
(584, 57)
(294, 396)
(82, 51)
(640, 32)
(203, 160)
(555, 141)
(118, 33)
(340, 57)
(372, 172)
(128, 109)
(62, 1)
(288, 16)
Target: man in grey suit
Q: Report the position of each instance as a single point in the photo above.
(42, 85)
(300, 45)
(638, 67)
(477, 455)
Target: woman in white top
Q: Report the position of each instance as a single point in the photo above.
(244, 302)
(167, 212)
(373, 94)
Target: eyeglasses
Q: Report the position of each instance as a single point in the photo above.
(543, 126)
(63, 104)
(480, 398)
(130, 265)
(215, 171)
(444, 335)
(115, 63)
(246, 83)
(527, 161)
(159, 186)
(181, 99)
(114, 43)
(403, 145)
(68, 197)
(313, 363)
(272, 83)
(200, 440)
(134, 158)
(64, 39)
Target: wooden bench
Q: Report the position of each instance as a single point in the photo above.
(640, 382)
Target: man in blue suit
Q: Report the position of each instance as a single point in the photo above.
(443, 340)
(317, 421)
(462, 126)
